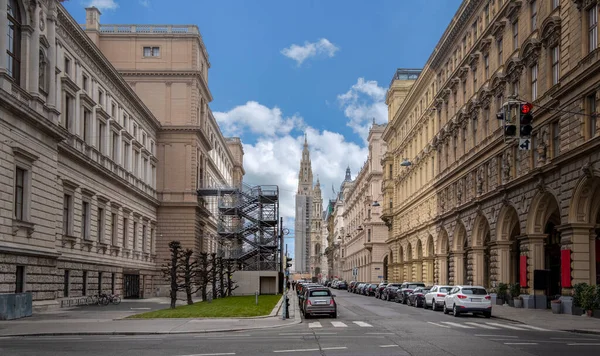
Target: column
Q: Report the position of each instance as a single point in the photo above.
(51, 31)
(442, 261)
(501, 250)
(478, 265)
(579, 238)
(429, 271)
(533, 247)
(33, 71)
(418, 271)
(3, 35)
(458, 257)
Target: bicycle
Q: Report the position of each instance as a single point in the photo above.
(91, 300)
(114, 299)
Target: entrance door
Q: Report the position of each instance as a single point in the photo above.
(131, 289)
(552, 260)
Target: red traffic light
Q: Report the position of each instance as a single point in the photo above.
(526, 108)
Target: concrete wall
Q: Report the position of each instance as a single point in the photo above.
(250, 281)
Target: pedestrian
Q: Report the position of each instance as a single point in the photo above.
(288, 285)
(294, 285)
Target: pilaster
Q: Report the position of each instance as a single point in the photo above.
(580, 240)
(442, 267)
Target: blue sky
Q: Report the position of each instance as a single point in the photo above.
(280, 68)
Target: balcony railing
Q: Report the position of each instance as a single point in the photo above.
(151, 29)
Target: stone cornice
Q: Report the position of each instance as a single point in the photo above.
(68, 30)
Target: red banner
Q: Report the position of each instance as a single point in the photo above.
(523, 271)
(565, 268)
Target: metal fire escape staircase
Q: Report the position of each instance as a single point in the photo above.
(248, 224)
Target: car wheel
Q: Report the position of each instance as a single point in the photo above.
(445, 309)
(334, 315)
(455, 311)
(433, 305)
(487, 314)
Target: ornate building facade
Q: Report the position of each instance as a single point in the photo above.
(191, 146)
(472, 208)
(364, 244)
(78, 211)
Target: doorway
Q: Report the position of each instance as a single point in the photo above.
(552, 259)
(131, 288)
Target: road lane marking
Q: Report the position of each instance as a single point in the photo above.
(521, 343)
(334, 348)
(316, 324)
(481, 335)
(388, 345)
(363, 324)
(140, 308)
(582, 344)
(483, 326)
(57, 338)
(506, 326)
(533, 327)
(380, 334)
(339, 324)
(440, 325)
(457, 325)
(297, 350)
(215, 354)
(289, 334)
(572, 338)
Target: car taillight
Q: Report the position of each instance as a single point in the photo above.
(488, 297)
(460, 296)
(440, 295)
(331, 302)
(308, 302)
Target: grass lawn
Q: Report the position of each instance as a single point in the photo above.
(230, 307)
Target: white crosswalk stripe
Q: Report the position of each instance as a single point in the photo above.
(363, 324)
(487, 326)
(512, 327)
(457, 325)
(339, 324)
(483, 326)
(316, 324)
(533, 327)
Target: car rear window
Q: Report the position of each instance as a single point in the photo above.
(474, 291)
(444, 289)
(320, 293)
(413, 286)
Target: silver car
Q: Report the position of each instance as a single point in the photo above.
(319, 301)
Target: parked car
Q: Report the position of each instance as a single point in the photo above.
(405, 289)
(319, 301)
(468, 299)
(389, 292)
(370, 289)
(379, 290)
(417, 297)
(342, 285)
(435, 297)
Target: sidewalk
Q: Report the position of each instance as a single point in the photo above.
(545, 319)
(80, 326)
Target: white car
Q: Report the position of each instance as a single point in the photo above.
(435, 297)
(468, 299)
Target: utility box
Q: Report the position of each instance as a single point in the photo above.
(16, 305)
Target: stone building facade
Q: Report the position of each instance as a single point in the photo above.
(364, 245)
(78, 158)
(473, 208)
(191, 145)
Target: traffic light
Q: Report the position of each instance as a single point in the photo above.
(525, 120)
(509, 115)
(288, 262)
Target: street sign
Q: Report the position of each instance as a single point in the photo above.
(379, 277)
(524, 144)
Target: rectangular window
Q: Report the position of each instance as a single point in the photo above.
(151, 51)
(125, 121)
(593, 28)
(486, 13)
(134, 235)
(100, 221)
(136, 163)
(455, 147)
(146, 171)
(515, 88)
(20, 179)
(464, 90)
(84, 283)
(67, 211)
(113, 111)
(369, 235)
(555, 139)
(67, 66)
(486, 122)
(153, 177)
(555, 4)
(143, 238)
(115, 146)
(474, 124)
(87, 117)
(534, 82)
(113, 229)
(100, 97)
(144, 139)
(515, 32)
(20, 279)
(113, 282)
(85, 220)
(126, 151)
(555, 51)
(85, 82)
(475, 31)
(464, 137)
(99, 282)
(486, 65)
(151, 240)
(533, 10)
(101, 136)
(500, 52)
(67, 116)
(135, 131)
(591, 114)
(474, 80)
(66, 284)
(125, 233)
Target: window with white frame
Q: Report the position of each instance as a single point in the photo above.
(500, 51)
(20, 199)
(87, 120)
(151, 51)
(533, 10)
(593, 28)
(515, 32)
(68, 214)
(555, 58)
(534, 82)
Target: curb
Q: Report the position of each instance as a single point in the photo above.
(507, 319)
(148, 332)
(277, 307)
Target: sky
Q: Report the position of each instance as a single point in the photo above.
(283, 68)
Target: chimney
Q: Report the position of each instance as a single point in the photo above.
(92, 23)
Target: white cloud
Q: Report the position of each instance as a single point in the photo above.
(258, 118)
(362, 103)
(275, 159)
(145, 3)
(104, 4)
(310, 49)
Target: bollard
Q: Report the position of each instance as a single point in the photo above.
(256, 295)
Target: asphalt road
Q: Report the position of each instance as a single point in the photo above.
(365, 326)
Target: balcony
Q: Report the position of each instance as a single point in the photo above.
(148, 29)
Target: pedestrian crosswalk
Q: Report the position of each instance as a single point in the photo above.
(340, 324)
(486, 326)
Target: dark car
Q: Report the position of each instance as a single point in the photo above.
(379, 289)
(389, 292)
(405, 289)
(370, 289)
(417, 297)
(342, 285)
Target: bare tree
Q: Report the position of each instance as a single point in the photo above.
(188, 270)
(170, 271)
(214, 263)
(230, 268)
(221, 273)
(204, 273)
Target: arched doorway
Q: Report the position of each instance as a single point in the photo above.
(429, 267)
(419, 262)
(385, 269)
(481, 254)
(460, 255)
(443, 259)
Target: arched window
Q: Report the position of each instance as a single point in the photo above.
(14, 41)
